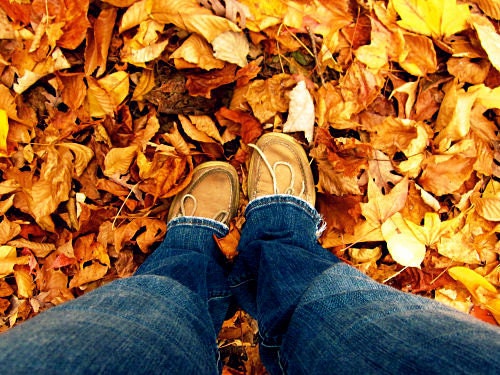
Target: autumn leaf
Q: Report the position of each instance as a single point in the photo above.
(434, 18)
(107, 107)
(195, 51)
(301, 112)
(404, 247)
(381, 207)
(189, 15)
(9, 259)
(118, 160)
(4, 130)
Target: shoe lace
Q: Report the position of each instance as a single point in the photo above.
(221, 216)
(272, 170)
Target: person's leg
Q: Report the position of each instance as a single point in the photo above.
(164, 319)
(318, 315)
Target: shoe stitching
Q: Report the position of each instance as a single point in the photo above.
(221, 216)
(272, 170)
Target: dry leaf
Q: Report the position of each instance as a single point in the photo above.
(436, 18)
(196, 51)
(4, 131)
(381, 207)
(118, 160)
(231, 47)
(402, 244)
(93, 272)
(301, 112)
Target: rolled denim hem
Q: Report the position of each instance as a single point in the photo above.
(286, 199)
(220, 229)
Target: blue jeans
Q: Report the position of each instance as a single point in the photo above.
(316, 314)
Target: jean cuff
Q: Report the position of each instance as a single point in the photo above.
(286, 199)
(219, 229)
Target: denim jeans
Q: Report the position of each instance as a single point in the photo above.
(316, 314)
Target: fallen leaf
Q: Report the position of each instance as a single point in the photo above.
(118, 160)
(202, 84)
(402, 244)
(301, 112)
(232, 47)
(92, 272)
(4, 130)
(9, 259)
(488, 37)
(196, 51)
(24, 282)
(381, 207)
(434, 18)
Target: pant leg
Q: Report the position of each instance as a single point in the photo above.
(162, 320)
(318, 315)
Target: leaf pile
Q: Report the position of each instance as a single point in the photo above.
(107, 106)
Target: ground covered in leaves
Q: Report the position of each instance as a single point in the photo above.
(107, 106)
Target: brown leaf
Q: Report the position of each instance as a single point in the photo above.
(268, 97)
(202, 84)
(73, 13)
(250, 129)
(98, 42)
(445, 174)
(341, 213)
(93, 272)
(229, 244)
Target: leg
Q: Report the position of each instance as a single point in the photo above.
(164, 319)
(318, 315)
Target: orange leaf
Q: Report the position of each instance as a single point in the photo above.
(250, 128)
(202, 84)
(93, 272)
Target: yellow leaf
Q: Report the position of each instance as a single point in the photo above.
(193, 132)
(146, 84)
(472, 280)
(231, 47)
(195, 50)
(207, 126)
(191, 16)
(458, 247)
(4, 130)
(8, 259)
(489, 38)
(118, 160)
(134, 15)
(100, 103)
(436, 18)
(106, 94)
(487, 207)
(83, 155)
(419, 58)
(139, 56)
(116, 85)
(402, 244)
(380, 207)
(25, 284)
(458, 124)
(93, 272)
(41, 250)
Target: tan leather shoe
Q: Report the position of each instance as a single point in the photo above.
(279, 165)
(212, 193)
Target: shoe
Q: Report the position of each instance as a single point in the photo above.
(279, 165)
(213, 193)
